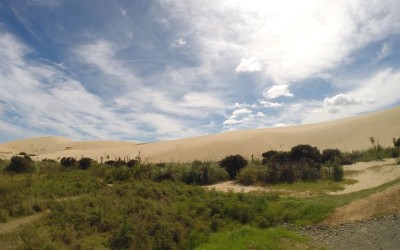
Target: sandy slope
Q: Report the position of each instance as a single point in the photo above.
(347, 134)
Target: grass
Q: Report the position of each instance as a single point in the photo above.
(254, 238)
(144, 211)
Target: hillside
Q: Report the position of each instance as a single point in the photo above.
(347, 134)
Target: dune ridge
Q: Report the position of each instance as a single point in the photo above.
(346, 134)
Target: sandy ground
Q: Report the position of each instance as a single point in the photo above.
(347, 134)
(367, 174)
(370, 174)
(384, 202)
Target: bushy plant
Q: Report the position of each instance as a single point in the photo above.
(68, 162)
(205, 174)
(338, 172)
(132, 163)
(331, 155)
(117, 163)
(304, 152)
(85, 163)
(233, 164)
(252, 174)
(269, 155)
(20, 164)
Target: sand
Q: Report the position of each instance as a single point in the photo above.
(347, 134)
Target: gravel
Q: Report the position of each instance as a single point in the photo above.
(376, 233)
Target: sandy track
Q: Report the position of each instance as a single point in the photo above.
(384, 202)
(16, 223)
(369, 175)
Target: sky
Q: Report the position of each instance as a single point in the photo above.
(153, 70)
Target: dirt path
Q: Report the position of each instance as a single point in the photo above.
(369, 175)
(384, 202)
(16, 223)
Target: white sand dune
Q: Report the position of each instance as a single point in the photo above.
(347, 134)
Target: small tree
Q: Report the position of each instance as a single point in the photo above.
(330, 155)
(304, 152)
(85, 163)
(68, 162)
(233, 164)
(20, 164)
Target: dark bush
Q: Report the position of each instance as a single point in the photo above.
(85, 163)
(233, 164)
(117, 163)
(23, 154)
(49, 160)
(132, 163)
(267, 156)
(20, 164)
(331, 155)
(304, 152)
(68, 162)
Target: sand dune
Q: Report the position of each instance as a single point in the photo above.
(347, 134)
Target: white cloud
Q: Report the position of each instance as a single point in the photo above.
(102, 55)
(385, 51)
(241, 112)
(267, 104)
(341, 100)
(47, 101)
(291, 40)
(277, 91)
(249, 65)
(375, 91)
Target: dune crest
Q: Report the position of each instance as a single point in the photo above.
(347, 135)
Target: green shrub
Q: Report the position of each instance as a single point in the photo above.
(304, 152)
(269, 155)
(68, 162)
(233, 164)
(205, 174)
(330, 155)
(132, 163)
(338, 172)
(20, 164)
(252, 174)
(85, 163)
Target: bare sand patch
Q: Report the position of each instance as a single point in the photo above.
(369, 175)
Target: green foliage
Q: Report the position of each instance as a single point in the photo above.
(85, 163)
(68, 162)
(338, 172)
(205, 174)
(20, 165)
(233, 164)
(331, 155)
(304, 152)
(253, 174)
(254, 238)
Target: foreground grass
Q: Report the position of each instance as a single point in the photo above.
(86, 213)
(255, 238)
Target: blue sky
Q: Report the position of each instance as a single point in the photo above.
(145, 70)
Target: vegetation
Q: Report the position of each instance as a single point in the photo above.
(233, 164)
(20, 164)
(161, 206)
